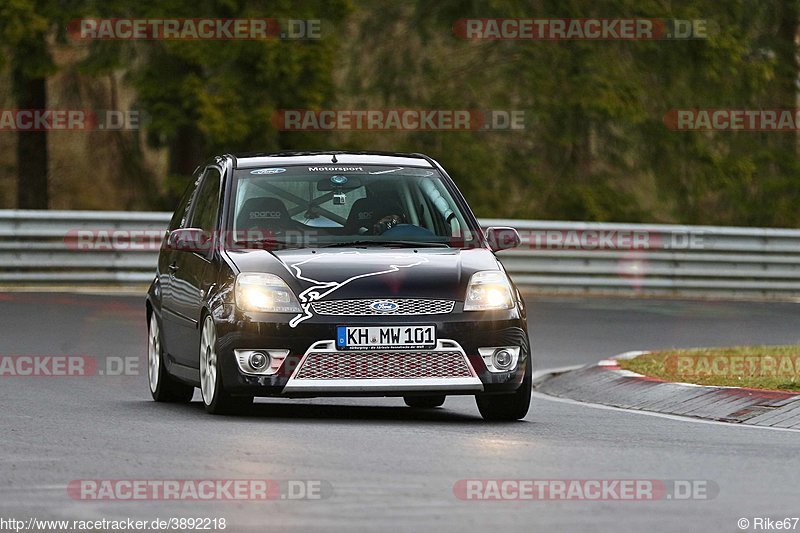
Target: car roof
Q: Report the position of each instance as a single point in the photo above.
(265, 159)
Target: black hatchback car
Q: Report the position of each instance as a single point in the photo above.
(334, 274)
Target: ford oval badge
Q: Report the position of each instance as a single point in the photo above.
(384, 306)
(268, 171)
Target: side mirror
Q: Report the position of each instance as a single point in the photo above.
(189, 240)
(502, 238)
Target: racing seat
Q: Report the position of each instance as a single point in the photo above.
(266, 214)
(367, 211)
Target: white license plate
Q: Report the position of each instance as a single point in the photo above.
(381, 337)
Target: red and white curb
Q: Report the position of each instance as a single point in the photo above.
(607, 384)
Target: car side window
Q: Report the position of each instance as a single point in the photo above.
(206, 202)
(178, 219)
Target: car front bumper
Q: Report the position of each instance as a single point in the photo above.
(455, 366)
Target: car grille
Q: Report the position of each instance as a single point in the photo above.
(383, 365)
(405, 306)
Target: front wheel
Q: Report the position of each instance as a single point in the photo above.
(512, 406)
(424, 402)
(163, 387)
(215, 398)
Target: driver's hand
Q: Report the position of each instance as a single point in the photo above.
(386, 223)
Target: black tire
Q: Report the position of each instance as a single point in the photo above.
(221, 402)
(166, 388)
(424, 402)
(506, 407)
(225, 404)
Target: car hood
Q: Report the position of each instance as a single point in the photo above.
(350, 273)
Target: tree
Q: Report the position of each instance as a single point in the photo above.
(215, 96)
(24, 28)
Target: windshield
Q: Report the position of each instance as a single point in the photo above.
(347, 204)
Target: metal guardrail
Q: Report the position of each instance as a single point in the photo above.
(36, 247)
(668, 259)
(44, 247)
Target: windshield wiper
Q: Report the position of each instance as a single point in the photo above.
(399, 244)
(265, 243)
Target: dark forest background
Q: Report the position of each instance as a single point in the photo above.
(594, 147)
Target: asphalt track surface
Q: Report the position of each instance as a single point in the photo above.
(390, 468)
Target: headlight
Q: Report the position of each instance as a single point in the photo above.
(489, 289)
(265, 293)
